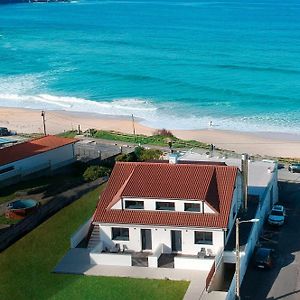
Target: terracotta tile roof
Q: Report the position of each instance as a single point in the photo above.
(212, 183)
(33, 147)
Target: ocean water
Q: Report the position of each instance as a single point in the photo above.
(176, 64)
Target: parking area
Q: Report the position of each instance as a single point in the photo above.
(283, 280)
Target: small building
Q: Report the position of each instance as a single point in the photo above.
(43, 154)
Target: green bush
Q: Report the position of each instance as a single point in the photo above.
(140, 154)
(94, 172)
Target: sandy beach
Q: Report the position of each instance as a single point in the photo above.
(270, 144)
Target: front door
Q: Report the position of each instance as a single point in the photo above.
(146, 239)
(176, 240)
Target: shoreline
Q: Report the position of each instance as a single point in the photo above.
(272, 144)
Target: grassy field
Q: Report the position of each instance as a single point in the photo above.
(27, 265)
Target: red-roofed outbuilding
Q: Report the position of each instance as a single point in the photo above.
(45, 153)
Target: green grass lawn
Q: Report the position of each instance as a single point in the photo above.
(26, 266)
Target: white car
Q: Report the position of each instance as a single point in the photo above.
(277, 215)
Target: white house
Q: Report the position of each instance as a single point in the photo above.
(156, 209)
(45, 153)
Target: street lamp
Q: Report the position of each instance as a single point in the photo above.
(237, 252)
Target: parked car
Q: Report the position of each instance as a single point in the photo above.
(294, 168)
(4, 131)
(277, 215)
(264, 258)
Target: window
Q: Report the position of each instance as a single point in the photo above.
(192, 207)
(134, 204)
(203, 237)
(120, 234)
(165, 206)
(7, 169)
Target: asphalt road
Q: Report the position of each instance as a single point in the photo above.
(283, 280)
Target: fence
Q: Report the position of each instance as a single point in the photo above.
(261, 214)
(214, 267)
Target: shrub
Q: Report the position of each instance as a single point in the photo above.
(163, 132)
(127, 157)
(147, 154)
(94, 172)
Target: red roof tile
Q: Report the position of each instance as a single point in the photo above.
(33, 147)
(212, 183)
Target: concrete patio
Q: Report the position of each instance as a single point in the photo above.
(77, 261)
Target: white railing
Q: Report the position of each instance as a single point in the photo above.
(81, 233)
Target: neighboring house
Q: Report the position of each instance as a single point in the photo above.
(185, 208)
(38, 155)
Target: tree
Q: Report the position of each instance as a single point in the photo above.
(94, 172)
(140, 154)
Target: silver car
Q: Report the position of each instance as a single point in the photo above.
(294, 168)
(277, 215)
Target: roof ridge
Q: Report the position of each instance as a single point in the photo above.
(118, 195)
(174, 165)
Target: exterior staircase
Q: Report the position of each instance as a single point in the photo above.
(94, 239)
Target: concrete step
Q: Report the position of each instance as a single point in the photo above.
(95, 237)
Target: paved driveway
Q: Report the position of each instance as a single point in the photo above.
(283, 281)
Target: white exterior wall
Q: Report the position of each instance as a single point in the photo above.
(193, 263)
(162, 236)
(110, 259)
(54, 158)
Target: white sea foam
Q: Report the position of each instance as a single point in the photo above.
(166, 115)
(126, 106)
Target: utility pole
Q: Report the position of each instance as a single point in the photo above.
(133, 127)
(237, 255)
(44, 122)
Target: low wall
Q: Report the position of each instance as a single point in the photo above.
(191, 263)
(153, 259)
(110, 259)
(81, 233)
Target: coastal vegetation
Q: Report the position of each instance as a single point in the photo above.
(140, 154)
(26, 266)
(160, 138)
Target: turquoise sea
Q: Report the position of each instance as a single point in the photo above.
(176, 64)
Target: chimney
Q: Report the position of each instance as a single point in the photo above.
(245, 163)
(173, 157)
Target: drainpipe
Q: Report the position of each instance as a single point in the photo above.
(245, 164)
